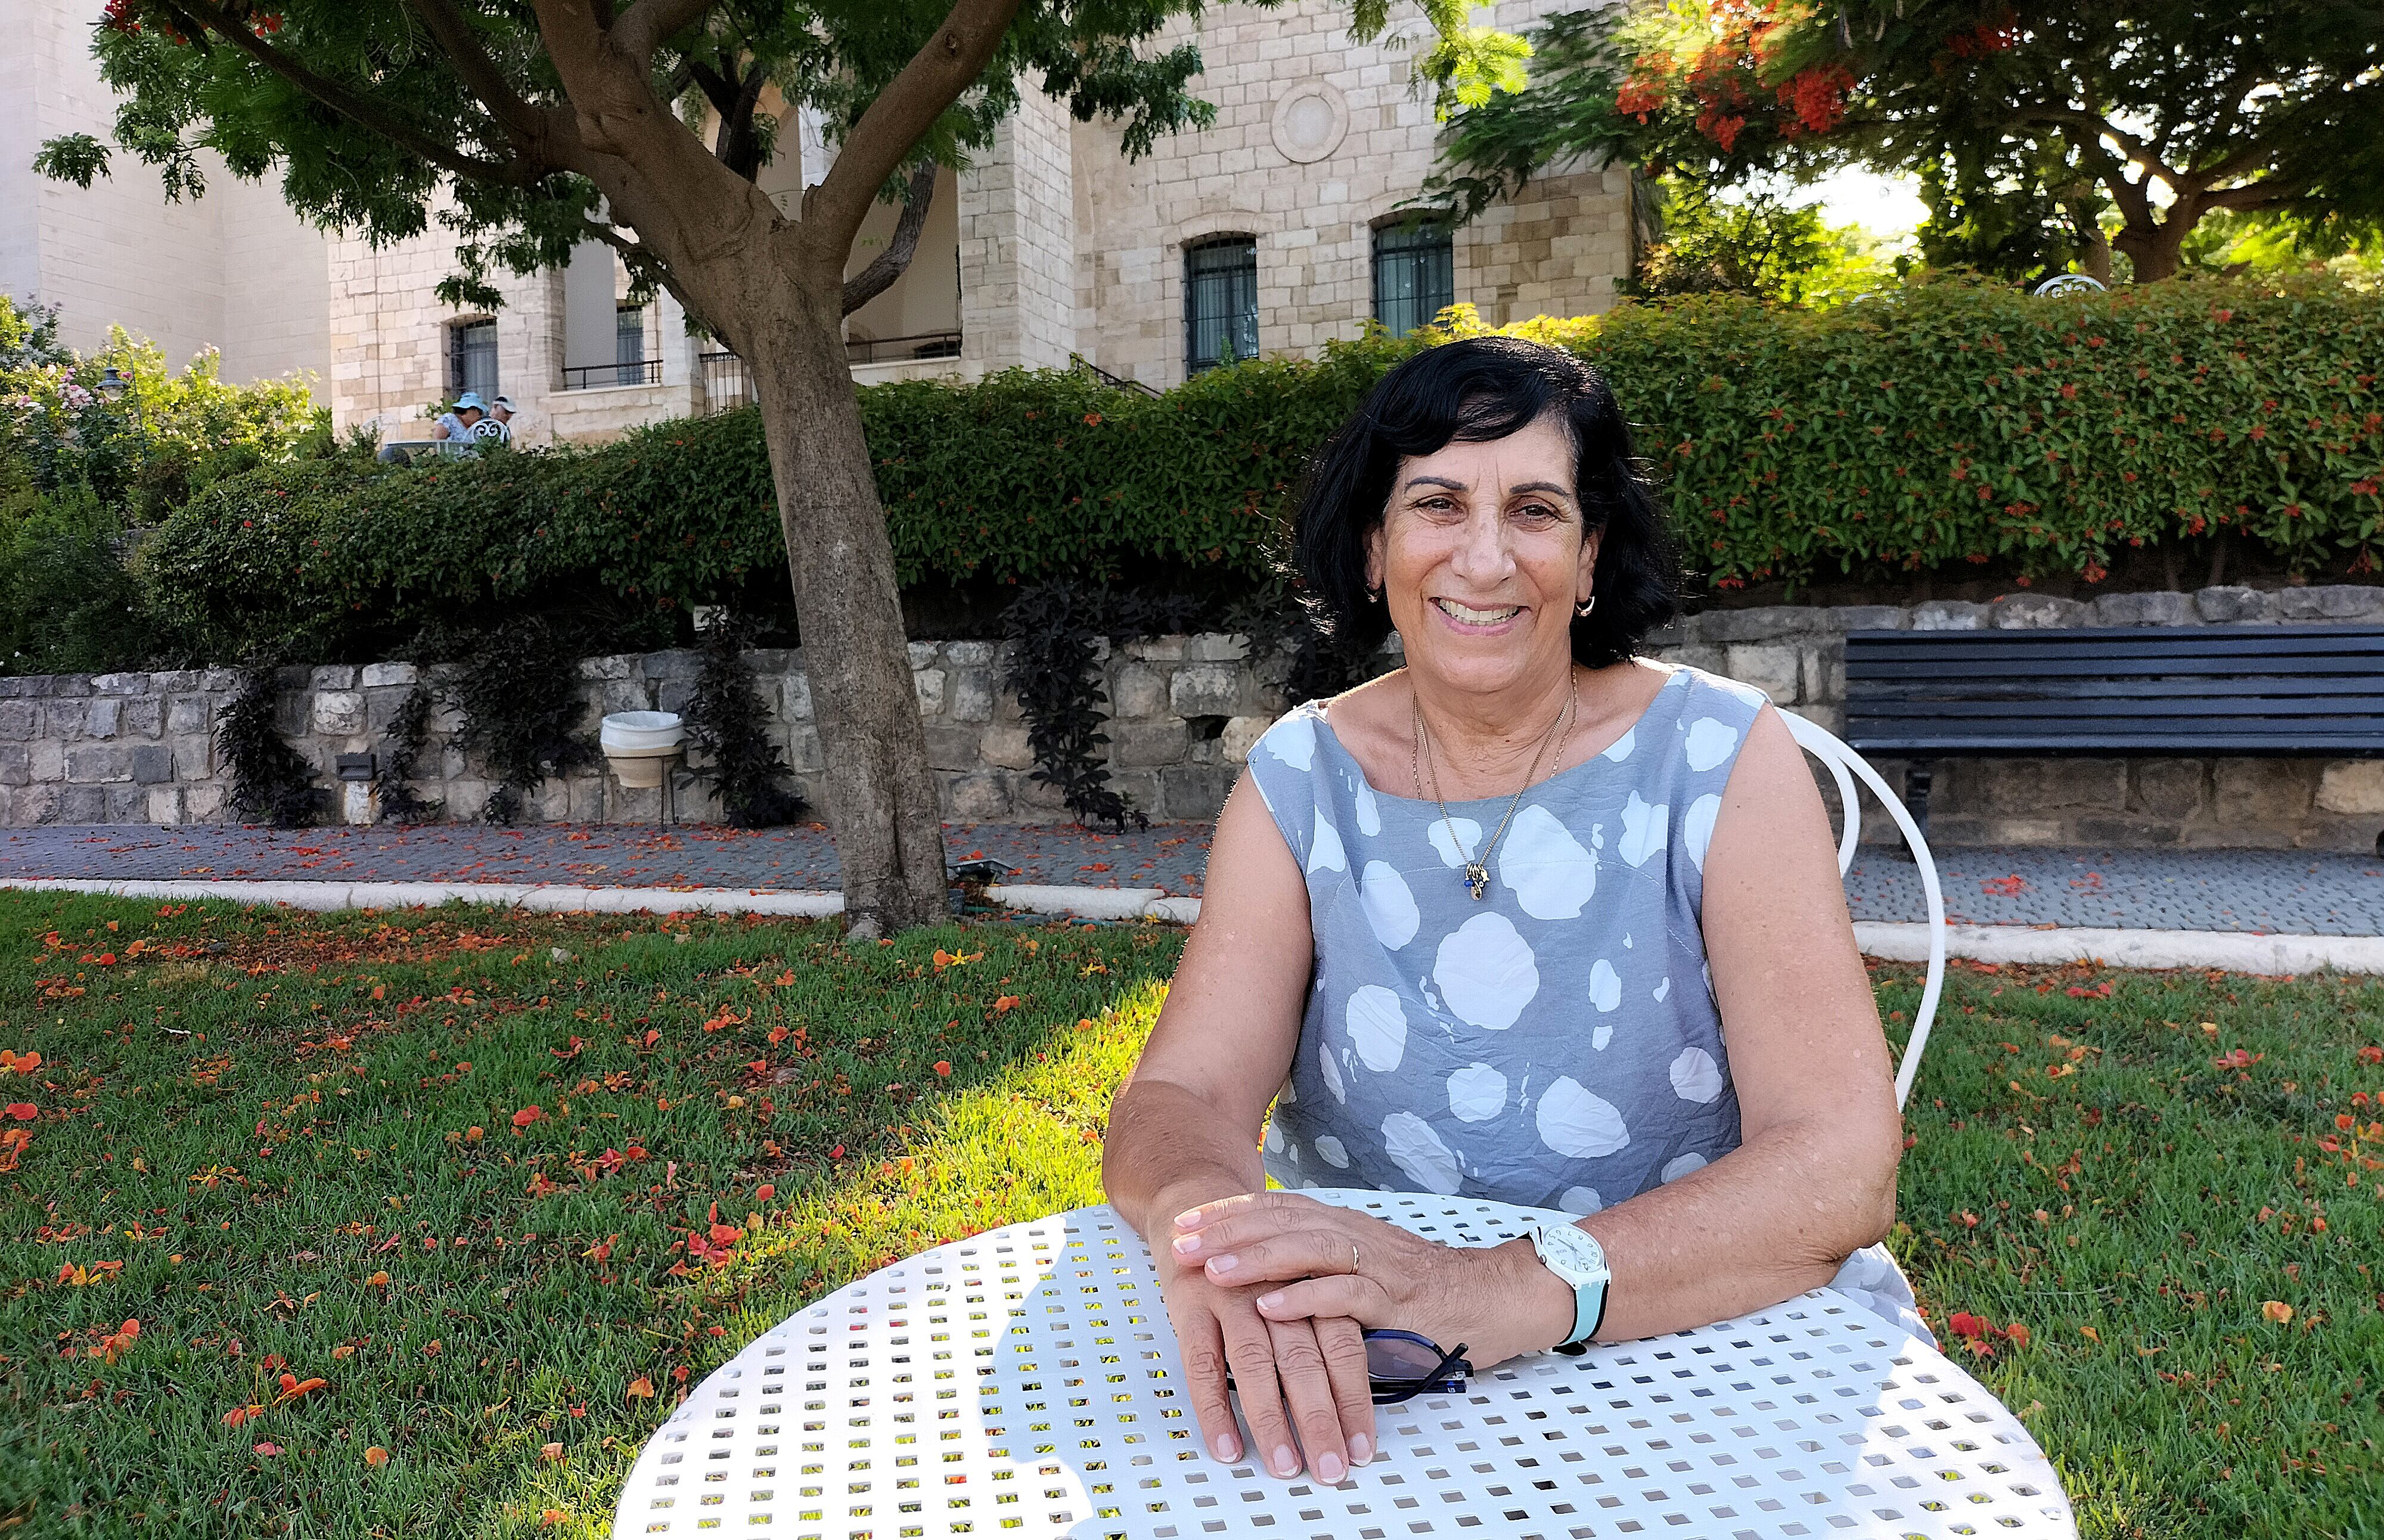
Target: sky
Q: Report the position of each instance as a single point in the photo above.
(1889, 207)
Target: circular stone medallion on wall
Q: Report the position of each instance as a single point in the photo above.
(1310, 121)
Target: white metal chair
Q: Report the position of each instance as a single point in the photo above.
(1846, 766)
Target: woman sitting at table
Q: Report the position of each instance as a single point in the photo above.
(1486, 924)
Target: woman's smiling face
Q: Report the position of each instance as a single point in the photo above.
(1481, 558)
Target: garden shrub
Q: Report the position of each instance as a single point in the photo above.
(1947, 423)
(728, 726)
(1956, 422)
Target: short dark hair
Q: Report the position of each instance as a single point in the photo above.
(1474, 391)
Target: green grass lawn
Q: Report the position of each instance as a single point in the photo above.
(426, 1218)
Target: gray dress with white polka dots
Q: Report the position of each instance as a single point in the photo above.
(1554, 1043)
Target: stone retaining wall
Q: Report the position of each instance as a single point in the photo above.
(1797, 655)
(142, 748)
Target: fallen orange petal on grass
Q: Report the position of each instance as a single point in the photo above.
(268, 1448)
(526, 1116)
(550, 1518)
(2277, 1310)
(2090, 1334)
(23, 1112)
(642, 1386)
(551, 1451)
(376, 1456)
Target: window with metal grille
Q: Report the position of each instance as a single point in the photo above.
(1220, 301)
(472, 358)
(1415, 275)
(629, 344)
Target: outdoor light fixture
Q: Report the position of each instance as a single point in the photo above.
(114, 383)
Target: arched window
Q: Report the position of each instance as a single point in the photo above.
(1220, 301)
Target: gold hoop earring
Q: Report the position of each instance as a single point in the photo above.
(1581, 611)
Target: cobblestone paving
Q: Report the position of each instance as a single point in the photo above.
(2289, 892)
(2280, 893)
(609, 855)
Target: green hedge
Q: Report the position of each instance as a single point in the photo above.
(1955, 423)
(1944, 423)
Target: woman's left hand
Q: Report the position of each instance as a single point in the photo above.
(1333, 1262)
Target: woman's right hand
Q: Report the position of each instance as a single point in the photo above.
(1303, 1383)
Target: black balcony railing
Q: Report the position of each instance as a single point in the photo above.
(726, 382)
(596, 377)
(888, 350)
(1115, 381)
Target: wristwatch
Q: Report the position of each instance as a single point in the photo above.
(1574, 1256)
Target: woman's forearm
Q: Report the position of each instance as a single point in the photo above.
(1168, 1149)
(1773, 1218)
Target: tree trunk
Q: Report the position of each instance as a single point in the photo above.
(2155, 252)
(881, 799)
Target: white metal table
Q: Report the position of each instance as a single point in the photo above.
(1026, 1382)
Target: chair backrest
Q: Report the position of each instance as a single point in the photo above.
(1846, 767)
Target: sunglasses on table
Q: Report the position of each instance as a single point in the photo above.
(1403, 1365)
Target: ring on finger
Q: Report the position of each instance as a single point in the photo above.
(1353, 1258)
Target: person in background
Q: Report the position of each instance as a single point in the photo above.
(456, 423)
(497, 426)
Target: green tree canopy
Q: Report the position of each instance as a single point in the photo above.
(528, 126)
(2032, 126)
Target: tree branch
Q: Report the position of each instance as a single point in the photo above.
(479, 72)
(642, 258)
(949, 64)
(649, 24)
(895, 260)
(739, 148)
(361, 110)
(2243, 161)
(2267, 192)
(2101, 128)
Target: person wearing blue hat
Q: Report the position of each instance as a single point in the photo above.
(456, 422)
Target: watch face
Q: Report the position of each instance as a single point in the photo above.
(1576, 1248)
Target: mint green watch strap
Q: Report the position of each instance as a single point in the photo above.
(1588, 1312)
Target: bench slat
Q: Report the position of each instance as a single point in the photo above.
(2136, 638)
(2118, 744)
(2091, 667)
(2335, 712)
(2117, 690)
(1885, 692)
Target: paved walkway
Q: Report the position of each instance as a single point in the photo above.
(2257, 892)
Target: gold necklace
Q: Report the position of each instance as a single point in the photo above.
(1477, 869)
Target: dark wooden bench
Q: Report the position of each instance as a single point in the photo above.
(2274, 691)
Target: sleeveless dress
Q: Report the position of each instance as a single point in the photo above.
(1555, 1044)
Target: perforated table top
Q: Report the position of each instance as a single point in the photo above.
(1025, 1382)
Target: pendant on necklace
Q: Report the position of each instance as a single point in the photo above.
(1477, 878)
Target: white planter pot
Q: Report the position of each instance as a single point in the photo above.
(640, 745)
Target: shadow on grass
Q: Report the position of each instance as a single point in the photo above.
(489, 1176)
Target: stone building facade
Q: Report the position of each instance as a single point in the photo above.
(143, 748)
(233, 269)
(1051, 245)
